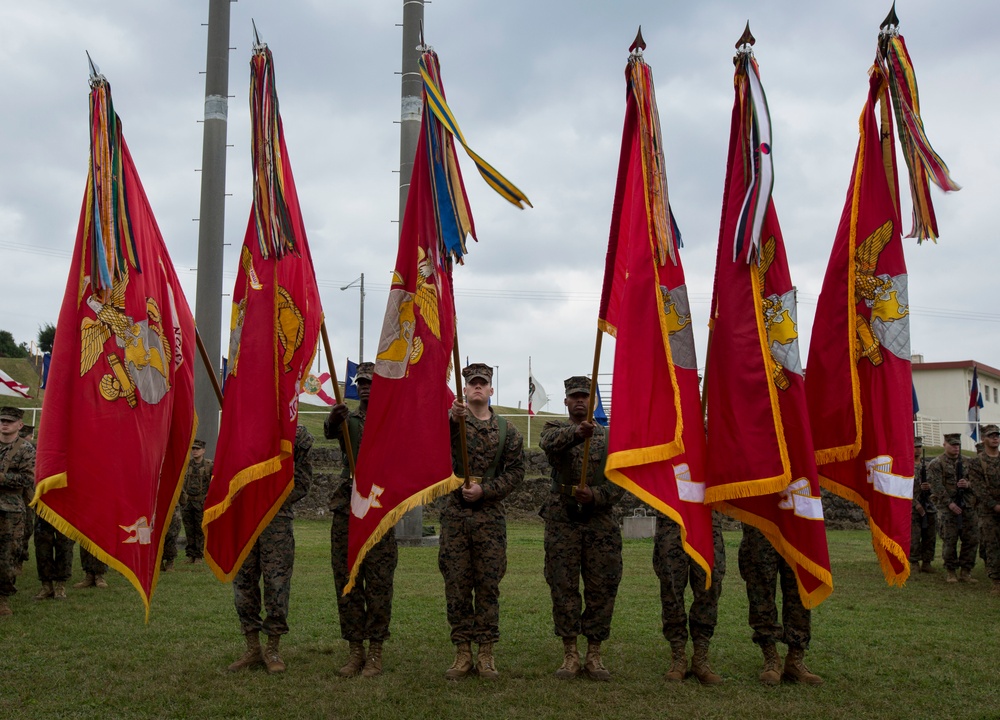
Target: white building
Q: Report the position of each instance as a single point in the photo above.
(943, 390)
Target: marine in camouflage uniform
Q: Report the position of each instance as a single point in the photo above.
(763, 568)
(582, 538)
(984, 474)
(676, 570)
(170, 542)
(366, 611)
(951, 491)
(27, 523)
(472, 555)
(270, 563)
(17, 473)
(923, 516)
(196, 481)
(94, 570)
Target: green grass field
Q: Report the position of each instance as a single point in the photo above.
(928, 650)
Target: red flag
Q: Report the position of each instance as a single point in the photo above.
(656, 446)
(761, 468)
(118, 415)
(405, 462)
(859, 384)
(273, 337)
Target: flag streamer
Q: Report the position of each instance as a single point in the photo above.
(922, 161)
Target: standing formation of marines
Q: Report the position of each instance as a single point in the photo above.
(582, 541)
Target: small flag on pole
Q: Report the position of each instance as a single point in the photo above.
(537, 398)
(11, 387)
(975, 403)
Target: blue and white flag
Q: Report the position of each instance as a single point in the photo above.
(599, 413)
(351, 381)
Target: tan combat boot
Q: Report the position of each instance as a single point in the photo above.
(485, 665)
(700, 667)
(965, 576)
(88, 581)
(570, 667)
(45, 592)
(252, 656)
(463, 662)
(5, 606)
(59, 591)
(925, 567)
(771, 674)
(593, 665)
(355, 661)
(100, 582)
(271, 657)
(796, 670)
(951, 577)
(373, 665)
(678, 662)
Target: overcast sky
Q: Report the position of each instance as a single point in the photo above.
(538, 89)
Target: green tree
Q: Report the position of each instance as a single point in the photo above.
(10, 348)
(46, 337)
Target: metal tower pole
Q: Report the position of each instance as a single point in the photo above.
(212, 220)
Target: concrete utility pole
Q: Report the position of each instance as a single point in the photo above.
(410, 529)
(212, 220)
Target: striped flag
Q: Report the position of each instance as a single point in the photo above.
(11, 387)
(975, 405)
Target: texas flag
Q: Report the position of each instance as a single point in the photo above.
(975, 404)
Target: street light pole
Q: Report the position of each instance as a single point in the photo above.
(361, 331)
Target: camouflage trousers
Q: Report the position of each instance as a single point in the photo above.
(952, 536)
(366, 611)
(194, 536)
(170, 542)
(9, 549)
(269, 564)
(591, 550)
(472, 558)
(53, 553)
(24, 531)
(761, 567)
(923, 539)
(676, 570)
(989, 542)
(91, 565)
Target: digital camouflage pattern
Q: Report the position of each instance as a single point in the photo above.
(761, 567)
(196, 482)
(984, 474)
(365, 613)
(580, 541)
(17, 475)
(272, 557)
(53, 553)
(959, 537)
(170, 539)
(676, 570)
(923, 528)
(472, 554)
(90, 564)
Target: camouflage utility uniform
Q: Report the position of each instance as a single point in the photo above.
(17, 473)
(580, 540)
(53, 553)
(196, 481)
(762, 567)
(984, 474)
(955, 529)
(676, 570)
(272, 556)
(472, 555)
(923, 528)
(91, 565)
(365, 612)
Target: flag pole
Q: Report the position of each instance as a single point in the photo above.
(208, 366)
(590, 412)
(344, 431)
(529, 401)
(457, 359)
